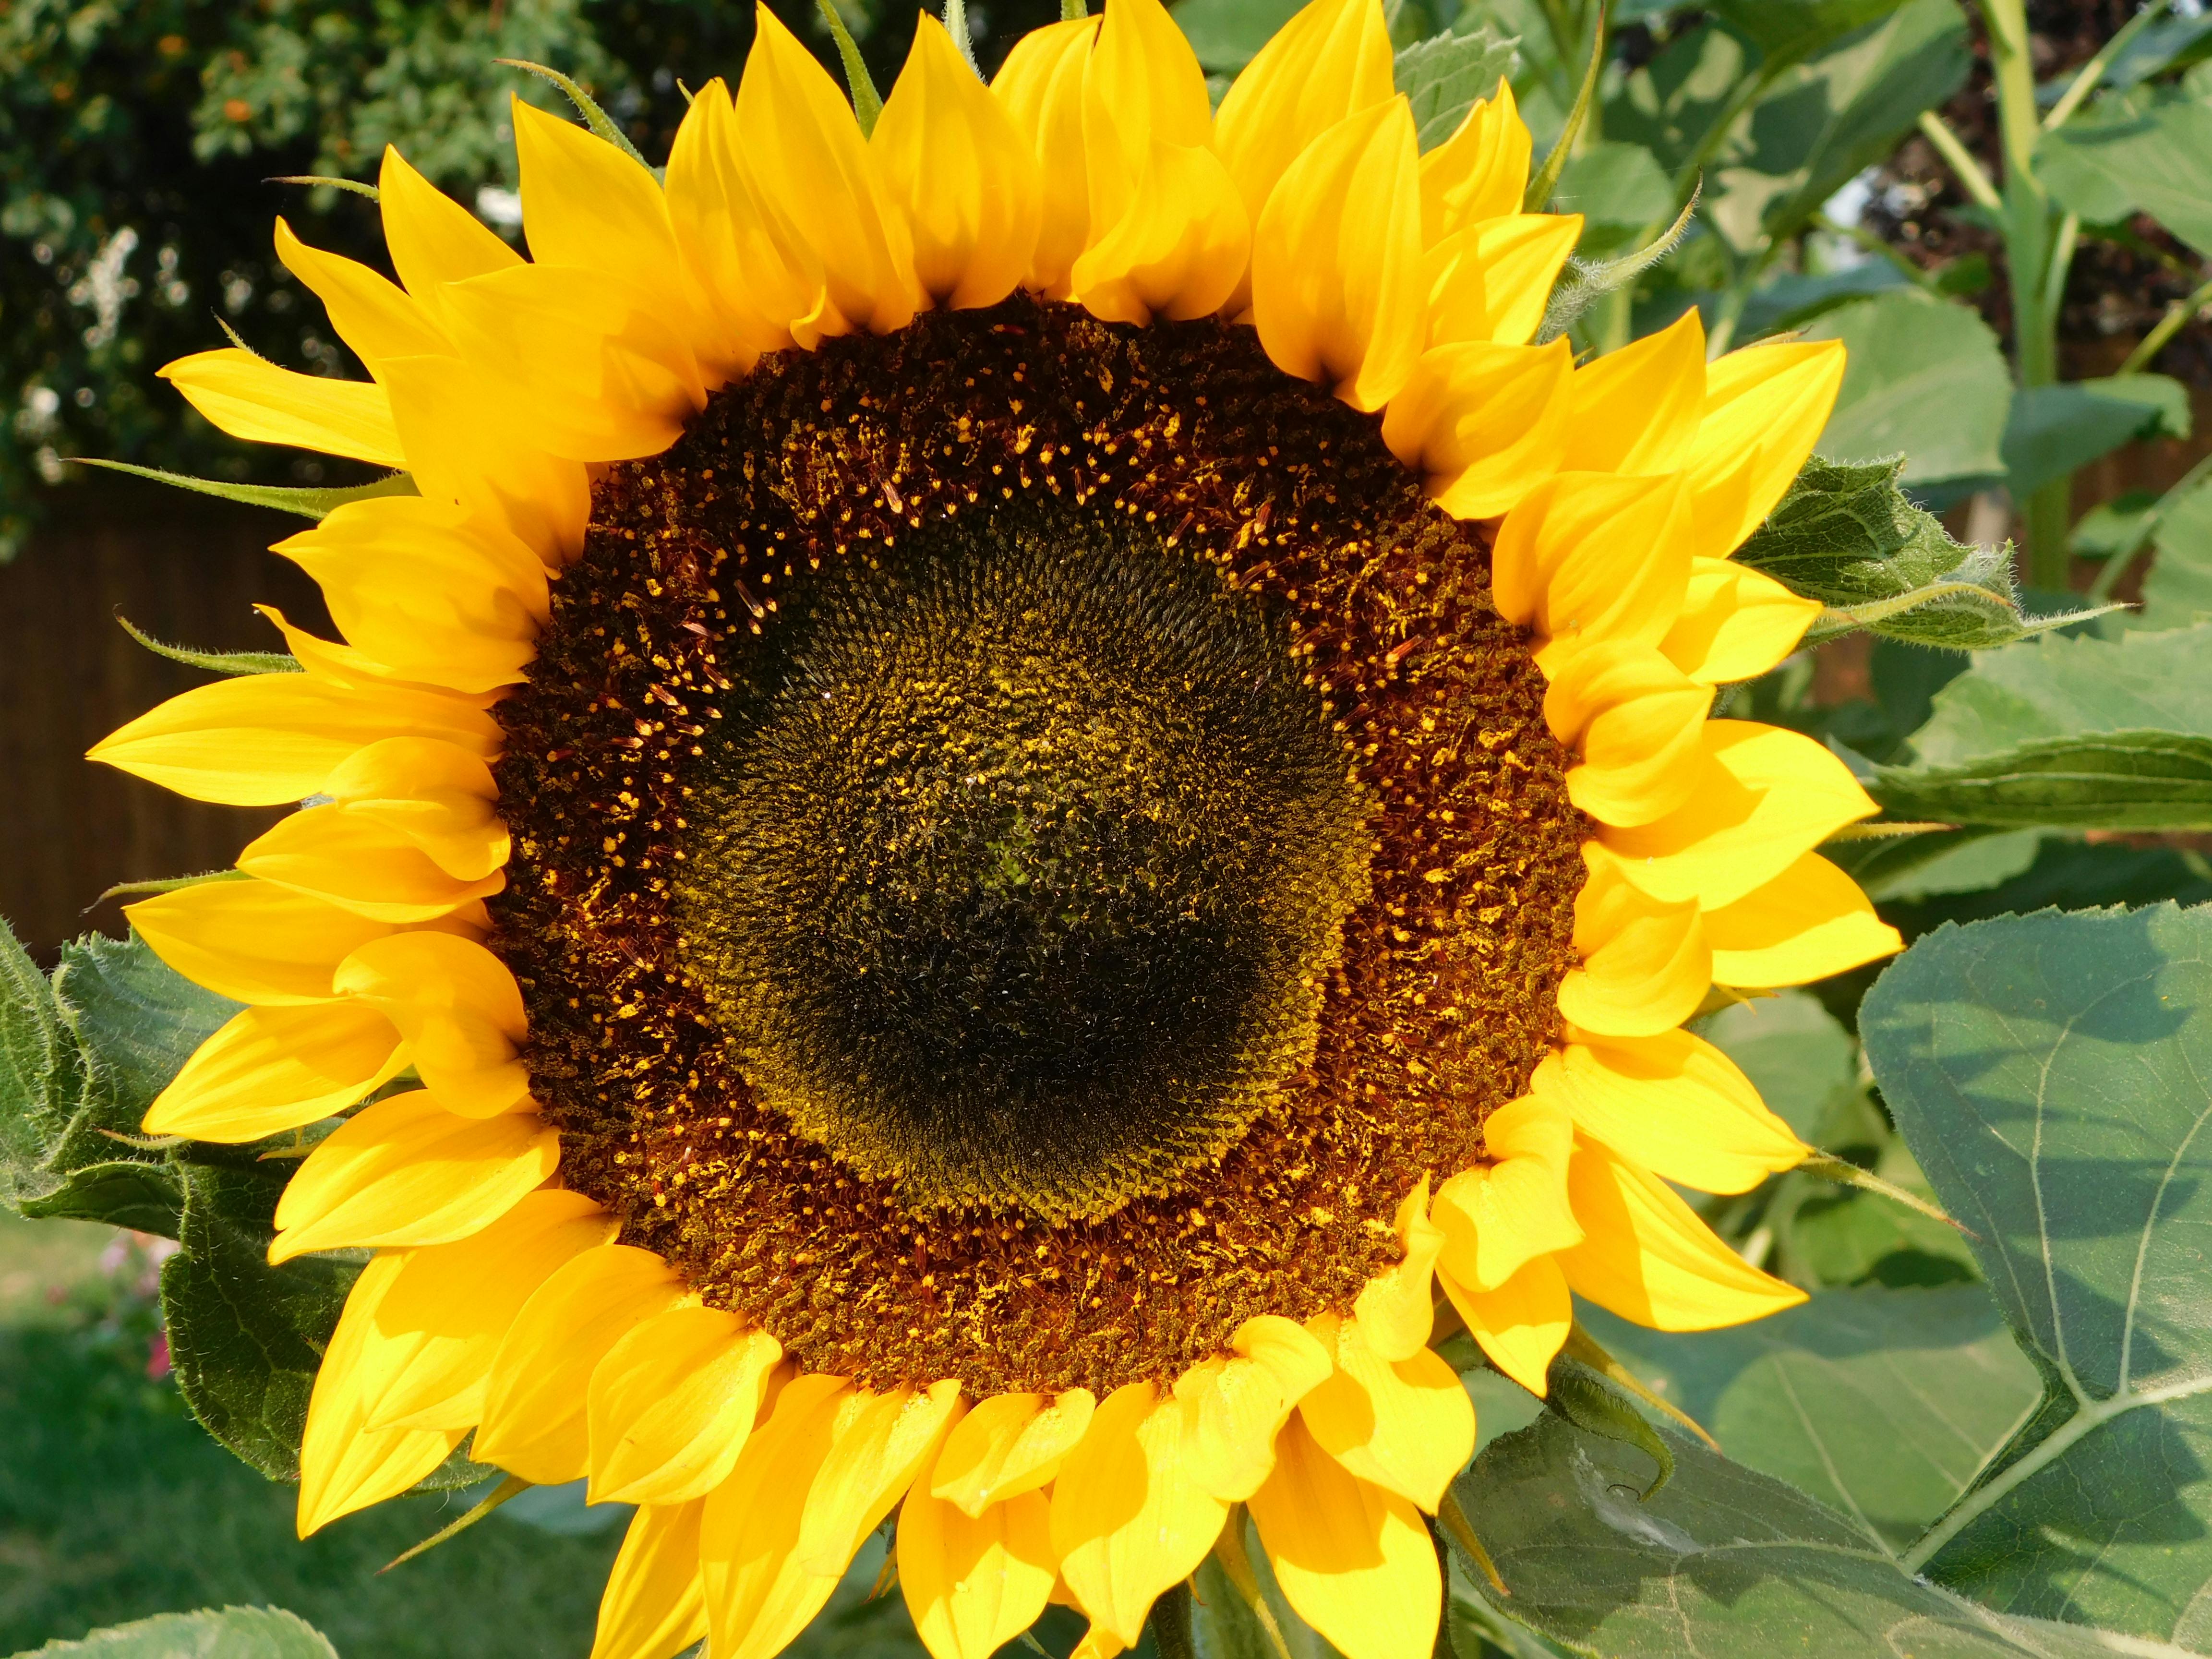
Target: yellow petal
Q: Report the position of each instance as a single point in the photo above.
(1331, 60)
(1040, 86)
(406, 1171)
(1646, 1256)
(271, 739)
(1354, 1559)
(1522, 1323)
(1764, 408)
(1483, 424)
(250, 397)
(273, 1069)
(1241, 1403)
(458, 428)
(534, 1410)
(376, 318)
(587, 205)
(809, 168)
(1496, 1217)
(359, 864)
(1128, 1520)
(1645, 963)
(1810, 921)
(882, 1444)
(1678, 1106)
(655, 1603)
(1764, 798)
(454, 1303)
(1635, 718)
(590, 371)
(427, 593)
(758, 1595)
(1143, 90)
(1637, 409)
(1481, 172)
(669, 1408)
(1492, 280)
(974, 1583)
(964, 177)
(458, 1008)
(1589, 557)
(1736, 623)
(1336, 259)
(750, 289)
(431, 239)
(1178, 251)
(1406, 1425)
(433, 796)
(343, 1465)
(251, 941)
(1397, 1308)
(1009, 1444)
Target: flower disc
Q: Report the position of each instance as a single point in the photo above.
(1037, 826)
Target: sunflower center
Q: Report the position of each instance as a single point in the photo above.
(1019, 857)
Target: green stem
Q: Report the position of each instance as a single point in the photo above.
(2093, 71)
(2165, 329)
(2037, 278)
(1960, 160)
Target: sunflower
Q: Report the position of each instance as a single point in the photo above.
(1025, 799)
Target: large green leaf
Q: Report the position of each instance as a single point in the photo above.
(2053, 429)
(36, 1062)
(1826, 121)
(232, 1633)
(2053, 1075)
(2145, 151)
(1443, 75)
(245, 1337)
(1924, 378)
(1845, 535)
(2178, 589)
(1724, 1562)
(2090, 733)
(1668, 105)
(1881, 1403)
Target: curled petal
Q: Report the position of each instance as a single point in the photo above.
(458, 1008)
(1492, 280)
(1764, 407)
(1406, 1425)
(1646, 1256)
(1336, 259)
(1479, 172)
(882, 1441)
(1646, 965)
(1635, 718)
(1241, 1402)
(1522, 1323)
(1040, 86)
(1483, 424)
(752, 290)
(1496, 1218)
(361, 864)
(405, 1172)
(961, 173)
(1810, 921)
(1678, 1107)
(974, 1583)
(1589, 557)
(1142, 90)
(1397, 1308)
(669, 1407)
(1736, 623)
(431, 795)
(1177, 252)
(1008, 1444)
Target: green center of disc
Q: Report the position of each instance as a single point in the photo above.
(1017, 869)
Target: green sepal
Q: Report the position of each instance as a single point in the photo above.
(1589, 281)
(587, 106)
(353, 186)
(1547, 176)
(308, 503)
(867, 102)
(216, 662)
(1595, 1406)
(956, 25)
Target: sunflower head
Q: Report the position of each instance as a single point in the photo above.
(1029, 795)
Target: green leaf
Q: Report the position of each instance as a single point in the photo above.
(1592, 1404)
(2053, 1075)
(1797, 28)
(308, 503)
(2087, 734)
(1226, 34)
(1619, 191)
(1668, 105)
(1445, 75)
(216, 662)
(1725, 1563)
(1824, 122)
(37, 1065)
(1847, 535)
(2145, 151)
(1881, 1403)
(2114, 529)
(1924, 377)
(2178, 589)
(245, 1337)
(232, 1633)
(136, 1021)
(1907, 867)
(2053, 429)
(1791, 300)
(147, 1197)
